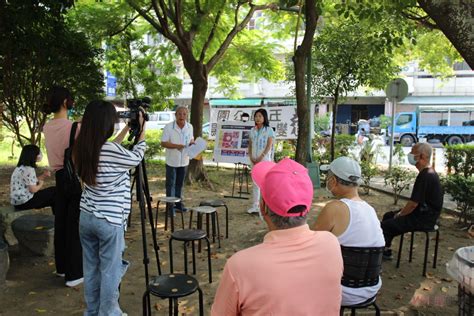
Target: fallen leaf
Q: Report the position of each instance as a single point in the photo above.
(427, 288)
(450, 248)
(444, 289)
(39, 227)
(32, 293)
(438, 282)
(398, 297)
(447, 279)
(158, 307)
(39, 310)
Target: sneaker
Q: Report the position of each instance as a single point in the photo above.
(387, 255)
(74, 283)
(252, 210)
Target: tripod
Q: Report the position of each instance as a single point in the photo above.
(144, 203)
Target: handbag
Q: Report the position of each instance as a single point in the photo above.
(72, 185)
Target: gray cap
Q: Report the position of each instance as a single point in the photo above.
(345, 168)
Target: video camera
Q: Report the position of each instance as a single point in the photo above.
(133, 114)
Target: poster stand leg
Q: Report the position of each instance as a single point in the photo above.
(240, 170)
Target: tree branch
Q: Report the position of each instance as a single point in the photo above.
(211, 36)
(126, 25)
(235, 30)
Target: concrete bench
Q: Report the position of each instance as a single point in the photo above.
(8, 214)
(35, 234)
(4, 262)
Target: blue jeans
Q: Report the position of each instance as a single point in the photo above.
(174, 182)
(102, 248)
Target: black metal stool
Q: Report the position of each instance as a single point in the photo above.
(427, 243)
(170, 201)
(172, 287)
(366, 304)
(214, 220)
(190, 235)
(216, 204)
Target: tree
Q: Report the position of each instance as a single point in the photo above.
(37, 50)
(348, 56)
(301, 55)
(202, 32)
(141, 68)
(453, 18)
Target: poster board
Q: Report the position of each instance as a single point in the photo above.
(232, 141)
(283, 119)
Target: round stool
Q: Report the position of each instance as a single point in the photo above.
(170, 201)
(216, 204)
(172, 287)
(211, 216)
(190, 235)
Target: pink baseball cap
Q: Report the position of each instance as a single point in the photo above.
(284, 185)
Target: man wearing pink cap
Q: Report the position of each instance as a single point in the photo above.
(295, 271)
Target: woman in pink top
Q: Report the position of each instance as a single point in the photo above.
(67, 246)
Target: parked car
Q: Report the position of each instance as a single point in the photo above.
(158, 120)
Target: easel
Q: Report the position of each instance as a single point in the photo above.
(241, 170)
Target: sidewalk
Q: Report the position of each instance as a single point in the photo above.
(378, 184)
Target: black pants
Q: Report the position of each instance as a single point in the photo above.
(42, 198)
(393, 227)
(67, 245)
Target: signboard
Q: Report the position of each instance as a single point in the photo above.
(283, 119)
(232, 142)
(111, 85)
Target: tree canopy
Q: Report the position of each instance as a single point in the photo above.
(38, 50)
(133, 54)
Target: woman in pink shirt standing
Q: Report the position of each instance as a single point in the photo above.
(67, 246)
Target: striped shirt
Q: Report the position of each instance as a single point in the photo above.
(110, 197)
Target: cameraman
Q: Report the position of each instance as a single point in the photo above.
(104, 168)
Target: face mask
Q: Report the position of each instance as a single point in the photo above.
(411, 159)
(327, 188)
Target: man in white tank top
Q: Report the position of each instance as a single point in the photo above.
(350, 219)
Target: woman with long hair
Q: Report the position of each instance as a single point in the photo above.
(260, 149)
(67, 246)
(105, 205)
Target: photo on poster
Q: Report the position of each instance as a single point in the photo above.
(230, 139)
(245, 139)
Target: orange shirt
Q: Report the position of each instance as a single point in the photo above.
(56, 137)
(294, 271)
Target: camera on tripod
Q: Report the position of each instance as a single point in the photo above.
(134, 113)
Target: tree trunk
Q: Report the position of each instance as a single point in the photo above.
(333, 128)
(301, 55)
(456, 20)
(301, 108)
(196, 170)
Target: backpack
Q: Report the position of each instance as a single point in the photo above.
(72, 185)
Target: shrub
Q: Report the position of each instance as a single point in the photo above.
(398, 179)
(153, 144)
(368, 163)
(284, 148)
(460, 185)
(321, 147)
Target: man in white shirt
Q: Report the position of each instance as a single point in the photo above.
(352, 220)
(176, 136)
